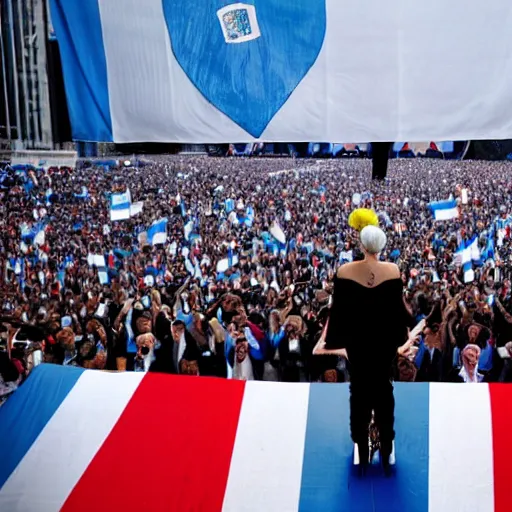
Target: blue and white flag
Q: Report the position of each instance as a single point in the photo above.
(96, 260)
(230, 205)
(192, 88)
(40, 236)
(157, 232)
(136, 208)
(34, 234)
(48, 194)
(227, 263)
(188, 229)
(346, 256)
(249, 217)
(68, 261)
(488, 253)
(467, 255)
(277, 232)
(84, 194)
(444, 210)
(120, 205)
(502, 223)
(103, 276)
(476, 257)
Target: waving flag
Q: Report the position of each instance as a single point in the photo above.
(467, 255)
(476, 256)
(157, 232)
(440, 466)
(249, 216)
(136, 208)
(227, 263)
(34, 234)
(444, 210)
(488, 252)
(120, 205)
(188, 228)
(84, 194)
(277, 232)
(230, 205)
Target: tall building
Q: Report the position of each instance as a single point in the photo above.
(25, 102)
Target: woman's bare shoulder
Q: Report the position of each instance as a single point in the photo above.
(391, 270)
(347, 269)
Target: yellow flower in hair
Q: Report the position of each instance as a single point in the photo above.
(361, 218)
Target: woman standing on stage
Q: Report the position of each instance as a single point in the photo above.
(368, 324)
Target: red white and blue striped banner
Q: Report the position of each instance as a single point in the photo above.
(77, 440)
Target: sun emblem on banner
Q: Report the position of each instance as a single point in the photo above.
(239, 23)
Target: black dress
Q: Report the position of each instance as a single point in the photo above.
(370, 323)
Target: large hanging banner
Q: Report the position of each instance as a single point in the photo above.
(286, 70)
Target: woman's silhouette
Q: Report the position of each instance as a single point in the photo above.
(368, 324)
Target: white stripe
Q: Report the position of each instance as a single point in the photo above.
(266, 466)
(159, 238)
(60, 455)
(460, 446)
(120, 214)
(450, 213)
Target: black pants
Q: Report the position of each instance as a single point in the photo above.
(366, 397)
(380, 157)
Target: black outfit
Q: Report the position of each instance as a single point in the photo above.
(431, 367)
(165, 360)
(370, 323)
(380, 158)
(210, 365)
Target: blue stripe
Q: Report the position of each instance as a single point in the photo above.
(78, 29)
(28, 411)
(408, 488)
(120, 206)
(443, 205)
(329, 483)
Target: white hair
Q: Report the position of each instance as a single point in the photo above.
(373, 239)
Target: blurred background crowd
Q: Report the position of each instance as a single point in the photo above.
(226, 268)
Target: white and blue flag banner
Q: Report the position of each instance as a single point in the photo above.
(227, 263)
(84, 194)
(277, 232)
(96, 260)
(136, 208)
(120, 206)
(444, 210)
(216, 71)
(157, 232)
(467, 255)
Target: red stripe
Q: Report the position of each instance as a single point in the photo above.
(170, 450)
(501, 410)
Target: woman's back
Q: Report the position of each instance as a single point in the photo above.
(369, 320)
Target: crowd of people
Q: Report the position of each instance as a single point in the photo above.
(241, 284)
